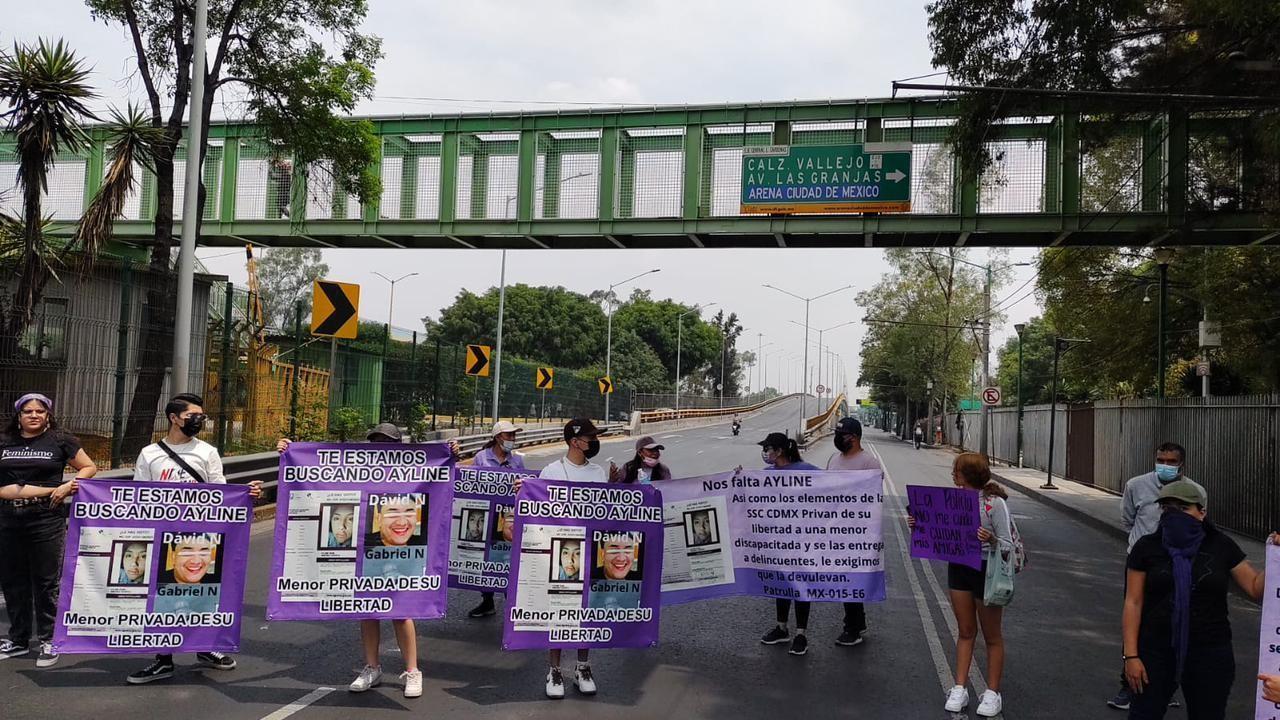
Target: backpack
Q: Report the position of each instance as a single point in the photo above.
(1019, 549)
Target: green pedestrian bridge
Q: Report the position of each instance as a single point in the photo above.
(1065, 172)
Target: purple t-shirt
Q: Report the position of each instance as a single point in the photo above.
(486, 458)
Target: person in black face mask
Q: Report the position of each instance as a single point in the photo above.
(849, 455)
(184, 458)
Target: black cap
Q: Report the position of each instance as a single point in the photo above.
(384, 432)
(579, 427)
(849, 426)
(775, 440)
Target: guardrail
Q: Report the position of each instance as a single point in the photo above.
(649, 416)
(264, 466)
(813, 425)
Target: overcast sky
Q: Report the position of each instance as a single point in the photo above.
(506, 55)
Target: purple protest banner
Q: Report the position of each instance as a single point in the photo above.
(1269, 636)
(587, 569)
(947, 523)
(153, 567)
(484, 506)
(362, 532)
(800, 535)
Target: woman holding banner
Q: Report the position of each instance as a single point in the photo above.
(780, 452)
(498, 452)
(1177, 632)
(967, 587)
(371, 630)
(646, 467)
(33, 527)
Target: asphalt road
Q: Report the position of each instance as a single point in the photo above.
(1062, 635)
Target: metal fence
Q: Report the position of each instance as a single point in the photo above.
(1232, 448)
(665, 401)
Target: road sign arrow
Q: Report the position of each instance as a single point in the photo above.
(545, 378)
(606, 385)
(896, 175)
(343, 310)
(478, 356)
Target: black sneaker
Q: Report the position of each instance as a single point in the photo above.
(799, 644)
(47, 657)
(849, 639)
(11, 649)
(216, 660)
(1173, 703)
(484, 609)
(775, 636)
(158, 670)
(1121, 700)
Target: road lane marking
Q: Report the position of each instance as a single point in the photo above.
(944, 602)
(298, 704)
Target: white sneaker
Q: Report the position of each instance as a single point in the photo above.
(555, 684)
(991, 704)
(369, 677)
(957, 699)
(583, 680)
(412, 683)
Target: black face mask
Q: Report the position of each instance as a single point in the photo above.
(192, 425)
(593, 448)
(843, 442)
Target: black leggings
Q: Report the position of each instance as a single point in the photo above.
(1206, 683)
(31, 540)
(855, 615)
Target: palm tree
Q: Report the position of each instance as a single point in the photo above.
(45, 90)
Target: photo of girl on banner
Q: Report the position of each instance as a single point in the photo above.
(395, 543)
(189, 581)
(473, 525)
(700, 528)
(130, 559)
(340, 521)
(566, 563)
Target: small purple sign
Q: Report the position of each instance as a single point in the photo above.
(587, 568)
(790, 534)
(362, 532)
(1268, 660)
(484, 508)
(154, 567)
(947, 523)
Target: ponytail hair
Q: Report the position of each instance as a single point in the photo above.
(792, 451)
(976, 473)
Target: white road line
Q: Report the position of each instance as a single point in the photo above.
(298, 704)
(922, 605)
(943, 600)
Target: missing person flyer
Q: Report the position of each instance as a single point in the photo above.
(796, 535)
(362, 532)
(586, 566)
(483, 523)
(153, 567)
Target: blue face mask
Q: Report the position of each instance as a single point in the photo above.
(1166, 473)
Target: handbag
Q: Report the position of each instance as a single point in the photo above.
(181, 463)
(997, 591)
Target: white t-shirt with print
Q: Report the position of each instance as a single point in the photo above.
(562, 469)
(155, 464)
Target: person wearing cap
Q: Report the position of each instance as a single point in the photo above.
(370, 675)
(181, 457)
(849, 455)
(780, 452)
(1176, 628)
(581, 437)
(33, 455)
(498, 452)
(646, 466)
(1140, 515)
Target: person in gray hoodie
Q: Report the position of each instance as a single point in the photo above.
(1140, 515)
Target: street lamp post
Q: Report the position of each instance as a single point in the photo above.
(386, 338)
(608, 351)
(1059, 344)
(1019, 328)
(679, 337)
(805, 380)
(928, 408)
(1163, 256)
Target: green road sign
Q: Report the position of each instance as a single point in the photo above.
(870, 177)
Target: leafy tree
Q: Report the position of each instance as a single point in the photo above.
(297, 66)
(285, 276)
(1154, 46)
(1037, 369)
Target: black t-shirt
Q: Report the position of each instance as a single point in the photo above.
(1210, 581)
(36, 461)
